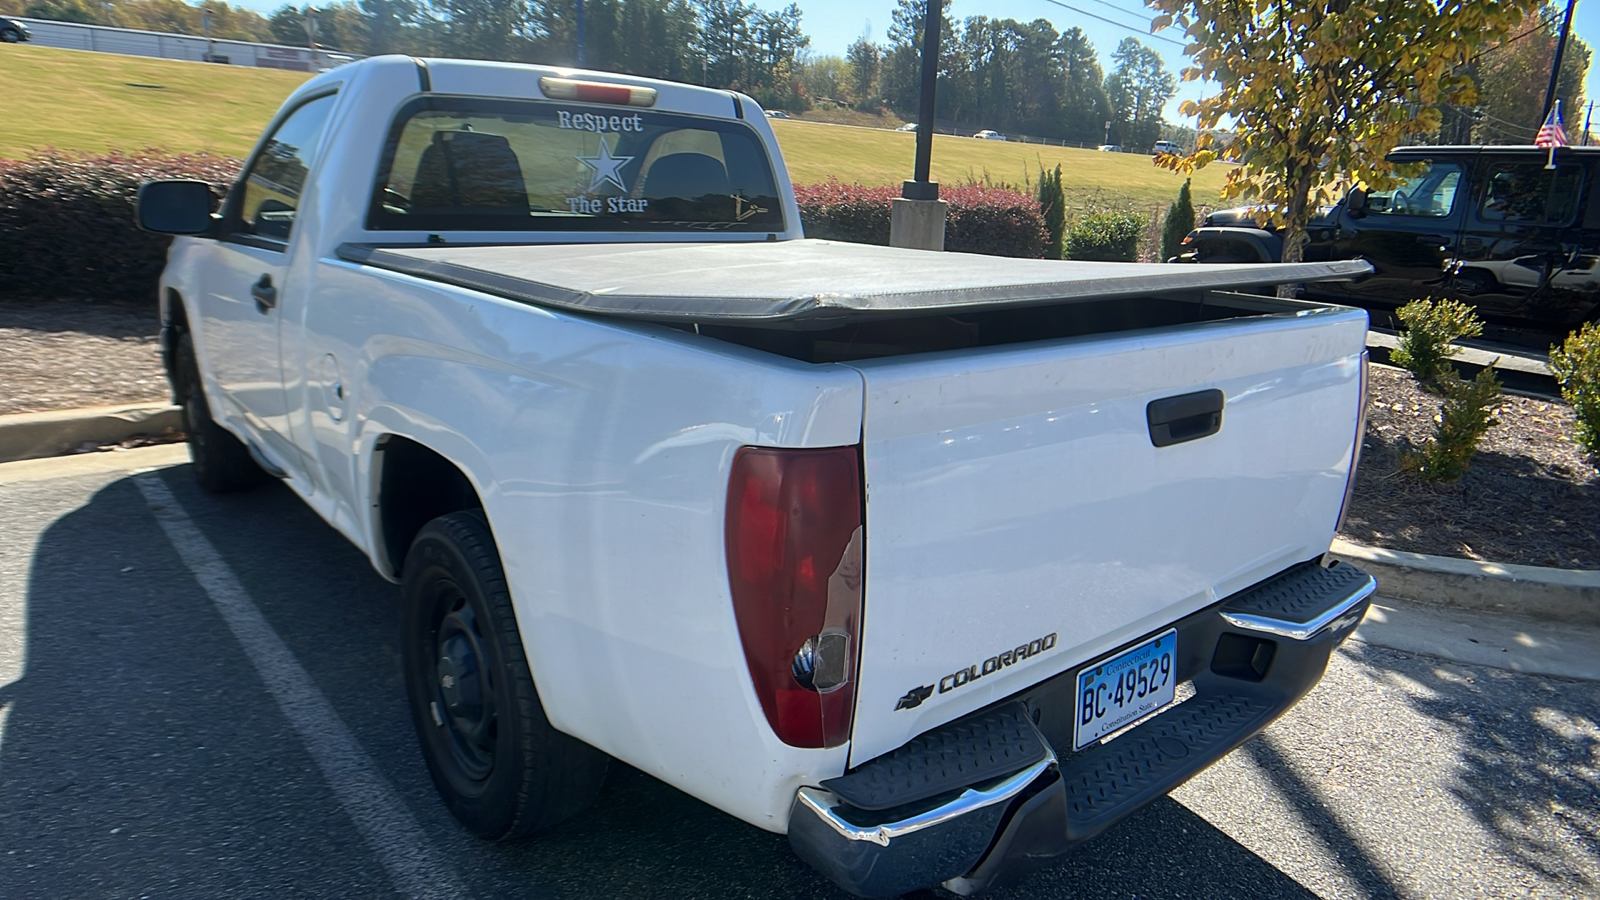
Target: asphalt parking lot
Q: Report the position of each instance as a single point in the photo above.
(201, 697)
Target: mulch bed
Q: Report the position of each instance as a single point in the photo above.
(1531, 496)
(63, 355)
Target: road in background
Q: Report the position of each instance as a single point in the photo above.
(141, 753)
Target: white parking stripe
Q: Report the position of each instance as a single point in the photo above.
(415, 868)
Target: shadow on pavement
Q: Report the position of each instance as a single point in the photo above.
(142, 755)
(1528, 759)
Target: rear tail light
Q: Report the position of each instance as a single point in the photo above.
(794, 543)
(1355, 456)
(596, 92)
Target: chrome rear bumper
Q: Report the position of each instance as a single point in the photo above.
(1249, 659)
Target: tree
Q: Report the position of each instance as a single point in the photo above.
(1178, 223)
(1319, 90)
(1138, 90)
(1083, 96)
(863, 57)
(825, 77)
(1513, 75)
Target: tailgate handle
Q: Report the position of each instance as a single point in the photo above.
(1186, 417)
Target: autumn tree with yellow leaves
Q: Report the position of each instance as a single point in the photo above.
(1319, 92)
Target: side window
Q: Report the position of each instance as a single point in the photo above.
(1431, 194)
(1528, 192)
(277, 175)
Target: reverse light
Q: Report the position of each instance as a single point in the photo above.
(596, 92)
(794, 545)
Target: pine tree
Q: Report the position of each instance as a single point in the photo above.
(1178, 224)
(1053, 206)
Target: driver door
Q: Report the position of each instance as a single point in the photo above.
(243, 279)
(1409, 234)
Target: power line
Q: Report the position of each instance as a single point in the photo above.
(1127, 12)
(1154, 37)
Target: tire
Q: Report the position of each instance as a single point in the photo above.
(500, 767)
(220, 461)
(10, 36)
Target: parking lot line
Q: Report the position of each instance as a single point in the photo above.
(415, 867)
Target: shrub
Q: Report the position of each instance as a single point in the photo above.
(1467, 412)
(993, 220)
(1177, 225)
(1105, 236)
(1576, 364)
(1431, 327)
(1053, 207)
(67, 226)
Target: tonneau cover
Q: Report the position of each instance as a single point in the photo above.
(805, 283)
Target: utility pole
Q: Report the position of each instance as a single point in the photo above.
(581, 41)
(1555, 69)
(917, 216)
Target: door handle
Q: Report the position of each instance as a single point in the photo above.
(1434, 240)
(1186, 417)
(265, 294)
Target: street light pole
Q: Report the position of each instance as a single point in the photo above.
(1555, 68)
(917, 216)
(922, 188)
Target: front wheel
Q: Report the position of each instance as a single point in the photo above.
(220, 461)
(10, 36)
(499, 765)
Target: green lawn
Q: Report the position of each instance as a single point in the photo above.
(76, 100)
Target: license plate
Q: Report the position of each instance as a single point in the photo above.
(1126, 687)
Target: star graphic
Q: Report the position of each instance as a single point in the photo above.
(606, 167)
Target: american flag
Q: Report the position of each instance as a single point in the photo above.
(1551, 133)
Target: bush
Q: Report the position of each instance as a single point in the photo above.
(1576, 364)
(992, 220)
(1430, 330)
(1053, 207)
(1177, 225)
(67, 226)
(1467, 412)
(1107, 237)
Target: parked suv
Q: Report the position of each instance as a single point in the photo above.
(13, 32)
(1491, 226)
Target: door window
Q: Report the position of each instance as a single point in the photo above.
(1430, 195)
(1528, 192)
(272, 185)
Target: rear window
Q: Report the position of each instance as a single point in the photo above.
(471, 164)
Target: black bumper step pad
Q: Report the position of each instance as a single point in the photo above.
(1299, 594)
(990, 744)
(1104, 781)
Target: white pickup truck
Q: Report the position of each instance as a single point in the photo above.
(938, 563)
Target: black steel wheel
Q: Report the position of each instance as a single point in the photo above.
(501, 768)
(220, 461)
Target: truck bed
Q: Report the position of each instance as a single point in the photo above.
(804, 284)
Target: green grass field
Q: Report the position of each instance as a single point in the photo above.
(75, 100)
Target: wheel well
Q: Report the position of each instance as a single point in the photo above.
(175, 323)
(416, 486)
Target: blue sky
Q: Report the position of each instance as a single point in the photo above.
(834, 24)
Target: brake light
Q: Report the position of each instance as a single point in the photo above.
(597, 92)
(794, 545)
(1355, 457)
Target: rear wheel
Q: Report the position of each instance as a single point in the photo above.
(10, 36)
(220, 461)
(499, 765)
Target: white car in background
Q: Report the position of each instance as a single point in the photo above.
(987, 135)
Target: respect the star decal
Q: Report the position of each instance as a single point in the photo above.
(606, 167)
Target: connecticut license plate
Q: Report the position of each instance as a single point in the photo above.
(1126, 687)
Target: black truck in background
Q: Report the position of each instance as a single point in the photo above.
(1494, 227)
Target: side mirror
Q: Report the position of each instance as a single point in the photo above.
(1356, 203)
(174, 207)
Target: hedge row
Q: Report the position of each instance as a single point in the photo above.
(996, 221)
(67, 227)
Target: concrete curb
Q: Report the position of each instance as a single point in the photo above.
(36, 435)
(1558, 595)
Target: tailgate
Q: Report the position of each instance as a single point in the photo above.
(1021, 521)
